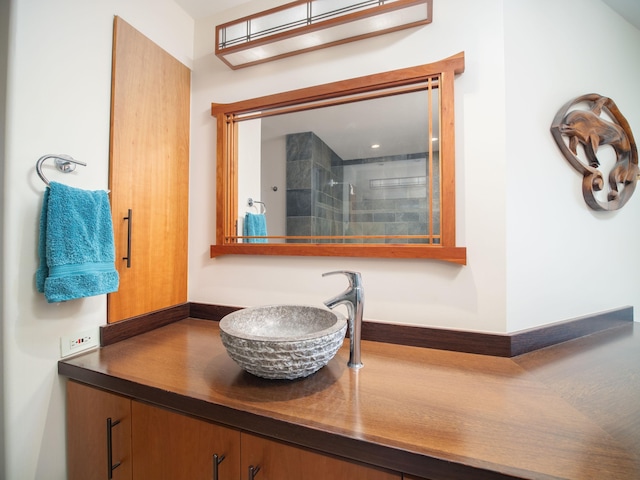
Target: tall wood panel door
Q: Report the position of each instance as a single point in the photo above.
(149, 174)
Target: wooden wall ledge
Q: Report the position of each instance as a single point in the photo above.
(494, 344)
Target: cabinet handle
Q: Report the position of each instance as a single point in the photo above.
(111, 466)
(128, 219)
(252, 471)
(217, 460)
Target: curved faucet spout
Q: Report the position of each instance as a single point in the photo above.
(353, 299)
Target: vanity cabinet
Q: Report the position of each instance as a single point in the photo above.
(421, 423)
(98, 434)
(276, 460)
(141, 442)
(150, 442)
(172, 446)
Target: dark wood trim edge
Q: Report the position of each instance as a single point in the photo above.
(114, 332)
(497, 345)
(205, 311)
(525, 341)
(494, 344)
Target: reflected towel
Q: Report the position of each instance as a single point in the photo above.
(76, 246)
(255, 225)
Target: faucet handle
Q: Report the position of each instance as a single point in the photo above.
(355, 278)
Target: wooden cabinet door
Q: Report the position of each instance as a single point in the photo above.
(172, 446)
(278, 461)
(92, 445)
(149, 174)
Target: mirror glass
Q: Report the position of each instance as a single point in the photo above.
(358, 172)
(360, 167)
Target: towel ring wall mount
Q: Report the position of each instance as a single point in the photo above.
(64, 163)
(254, 203)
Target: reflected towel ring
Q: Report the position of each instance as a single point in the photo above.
(252, 203)
(64, 163)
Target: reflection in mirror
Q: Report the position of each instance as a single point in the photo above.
(360, 167)
(361, 172)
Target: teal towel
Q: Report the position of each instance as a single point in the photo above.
(255, 225)
(76, 246)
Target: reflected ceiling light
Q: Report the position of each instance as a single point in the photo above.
(375, 145)
(307, 25)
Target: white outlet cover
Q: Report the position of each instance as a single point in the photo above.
(79, 342)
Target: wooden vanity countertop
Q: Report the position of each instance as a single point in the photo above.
(568, 411)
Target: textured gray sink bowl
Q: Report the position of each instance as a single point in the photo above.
(282, 341)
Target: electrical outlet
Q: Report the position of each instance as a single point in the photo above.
(79, 342)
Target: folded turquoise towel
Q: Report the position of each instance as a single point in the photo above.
(76, 247)
(255, 225)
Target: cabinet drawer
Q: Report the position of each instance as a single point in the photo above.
(279, 461)
(168, 445)
(98, 434)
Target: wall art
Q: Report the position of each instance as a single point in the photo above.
(588, 128)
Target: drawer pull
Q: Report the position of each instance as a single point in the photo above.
(110, 464)
(252, 472)
(217, 460)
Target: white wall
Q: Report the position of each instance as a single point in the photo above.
(565, 260)
(536, 253)
(59, 83)
(274, 175)
(420, 292)
(251, 185)
(4, 51)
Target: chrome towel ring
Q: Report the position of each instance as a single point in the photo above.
(64, 163)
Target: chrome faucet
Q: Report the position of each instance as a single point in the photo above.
(353, 299)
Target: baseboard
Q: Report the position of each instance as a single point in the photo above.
(115, 332)
(494, 344)
(535, 338)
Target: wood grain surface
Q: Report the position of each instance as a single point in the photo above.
(149, 174)
(568, 411)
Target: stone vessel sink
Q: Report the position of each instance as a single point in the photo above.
(282, 341)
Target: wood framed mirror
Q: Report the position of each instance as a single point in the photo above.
(359, 168)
